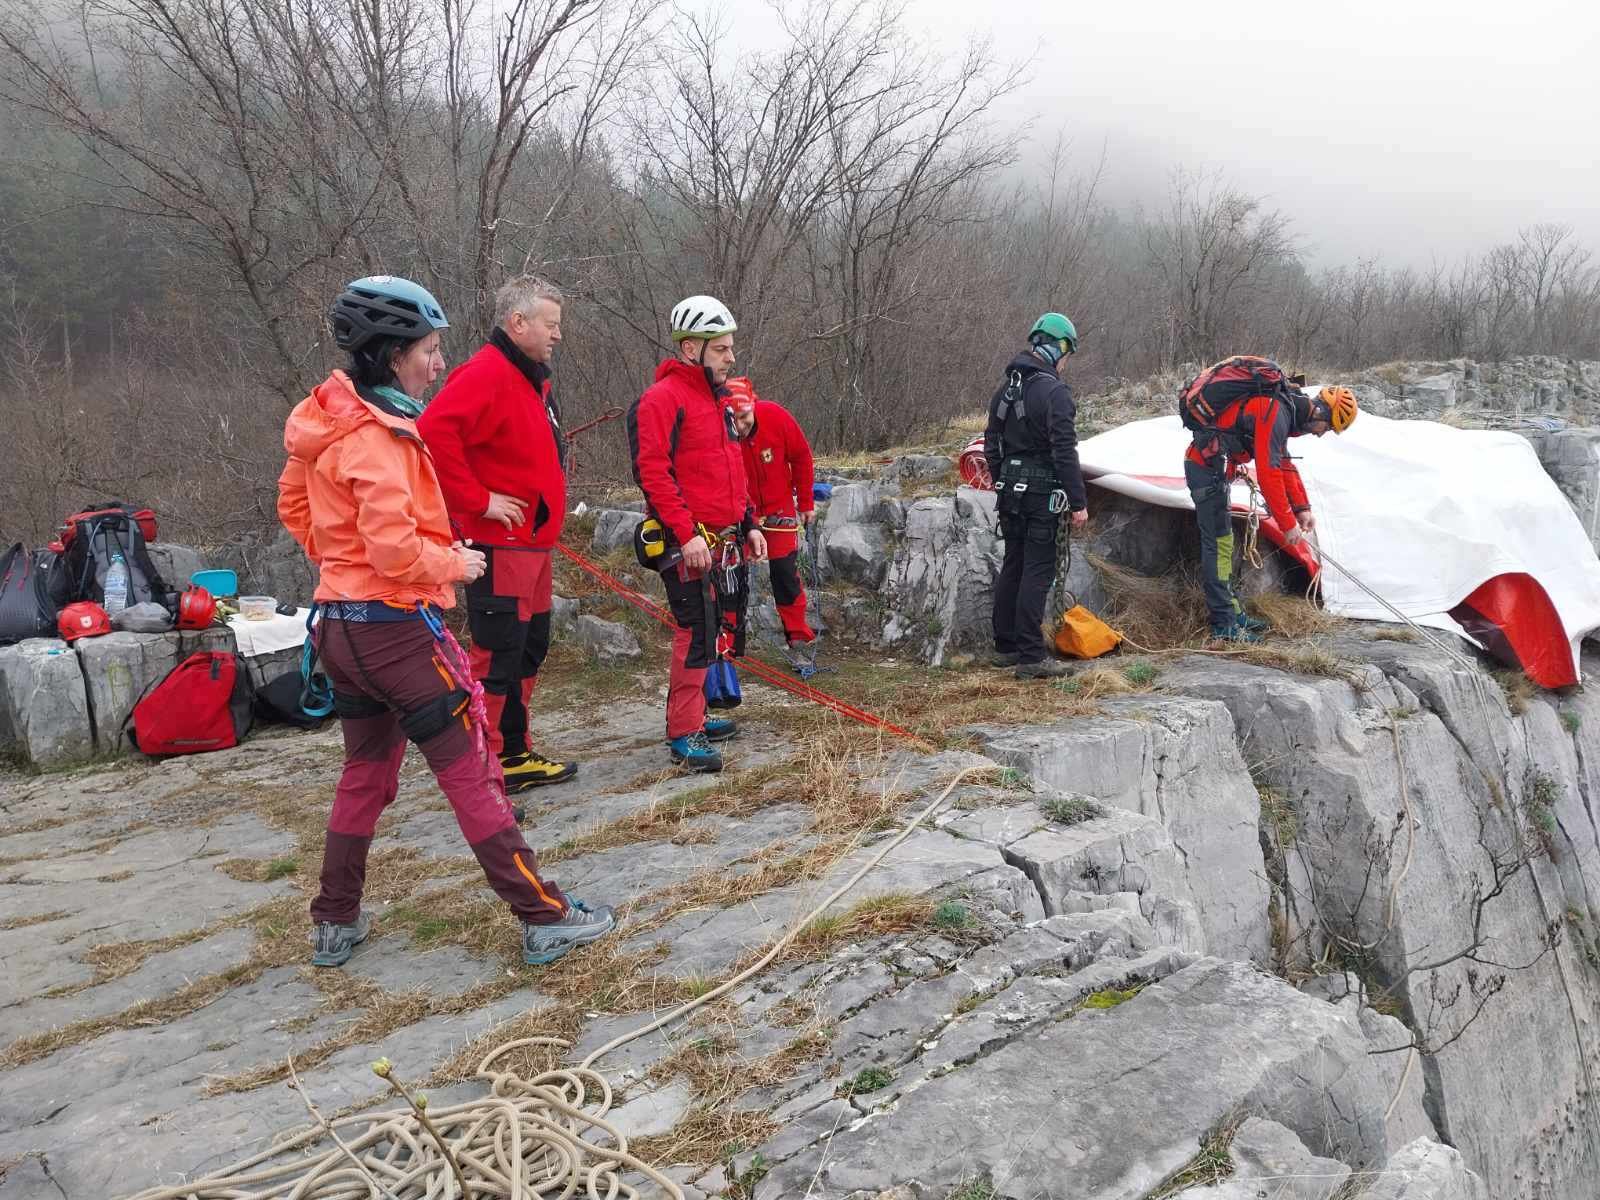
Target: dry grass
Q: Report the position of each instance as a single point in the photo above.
(376, 1014)
(187, 999)
(735, 794)
(877, 916)
(1096, 682)
(1158, 612)
(709, 1134)
(1295, 616)
(1302, 659)
(928, 703)
(1400, 634)
(1518, 688)
(11, 923)
(1211, 1166)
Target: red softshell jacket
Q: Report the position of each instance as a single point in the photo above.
(685, 456)
(1259, 428)
(777, 463)
(490, 429)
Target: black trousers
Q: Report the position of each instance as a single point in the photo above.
(1026, 574)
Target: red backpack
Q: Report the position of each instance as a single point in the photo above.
(203, 704)
(1203, 400)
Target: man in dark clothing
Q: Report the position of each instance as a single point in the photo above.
(1031, 445)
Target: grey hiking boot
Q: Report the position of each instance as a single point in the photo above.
(545, 943)
(1045, 668)
(335, 943)
(1008, 658)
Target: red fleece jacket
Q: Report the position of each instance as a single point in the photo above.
(777, 463)
(686, 459)
(492, 428)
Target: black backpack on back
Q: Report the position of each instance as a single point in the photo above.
(26, 610)
(93, 538)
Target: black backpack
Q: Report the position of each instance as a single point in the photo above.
(26, 610)
(91, 540)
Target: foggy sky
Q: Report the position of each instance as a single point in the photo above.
(1405, 129)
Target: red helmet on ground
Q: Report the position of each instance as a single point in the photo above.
(741, 396)
(83, 619)
(196, 609)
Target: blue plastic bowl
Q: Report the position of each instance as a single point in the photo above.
(218, 583)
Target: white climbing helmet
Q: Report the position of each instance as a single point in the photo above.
(701, 317)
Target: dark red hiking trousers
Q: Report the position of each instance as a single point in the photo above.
(390, 687)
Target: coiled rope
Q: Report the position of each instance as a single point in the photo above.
(529, 1139)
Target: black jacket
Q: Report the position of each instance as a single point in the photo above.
(1045, 431)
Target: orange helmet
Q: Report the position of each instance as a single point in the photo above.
(1341, 406)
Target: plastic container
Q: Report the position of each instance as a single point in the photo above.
(116, 589)
(257, 608)
(218, 582)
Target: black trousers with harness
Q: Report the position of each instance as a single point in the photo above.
(1026, 573)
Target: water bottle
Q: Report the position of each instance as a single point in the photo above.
(116, 586)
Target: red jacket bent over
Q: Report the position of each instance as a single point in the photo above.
(777, 463)
(1259, 428)
(685, 456)
(494, 427)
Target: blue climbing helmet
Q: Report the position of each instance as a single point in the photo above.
(384, 306)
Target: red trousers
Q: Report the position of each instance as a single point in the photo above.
(389, 688)
(698, 616)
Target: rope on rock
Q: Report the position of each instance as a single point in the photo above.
(765, 671)
(529, 1139)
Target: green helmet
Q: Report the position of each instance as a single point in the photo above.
(1053, 327)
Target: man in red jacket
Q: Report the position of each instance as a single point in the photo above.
(687, 462)
(1254, 427)
(495, 436)
(779, 471)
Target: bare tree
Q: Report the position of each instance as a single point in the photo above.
(1208, 248)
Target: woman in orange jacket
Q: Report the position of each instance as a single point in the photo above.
(359, 493)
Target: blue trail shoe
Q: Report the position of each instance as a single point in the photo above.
(694, 752)
(334, 944)
(719, 729)
(545, 943)
(1235, 632)
(1251, 624)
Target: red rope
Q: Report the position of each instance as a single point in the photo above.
(755, 666)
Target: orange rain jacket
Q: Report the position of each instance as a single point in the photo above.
(359, 492)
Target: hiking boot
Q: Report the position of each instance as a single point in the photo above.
(1251, 624)
(545, 943)
(1045, 668)
(719, 729)
(335, 943)
(1008, 658)
(528, 770)
(694, 752)
(1236, 632)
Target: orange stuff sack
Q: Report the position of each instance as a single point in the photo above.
(1084, 635)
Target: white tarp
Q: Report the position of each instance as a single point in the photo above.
(1420, 512)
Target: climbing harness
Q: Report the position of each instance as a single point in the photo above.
(459, 668)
